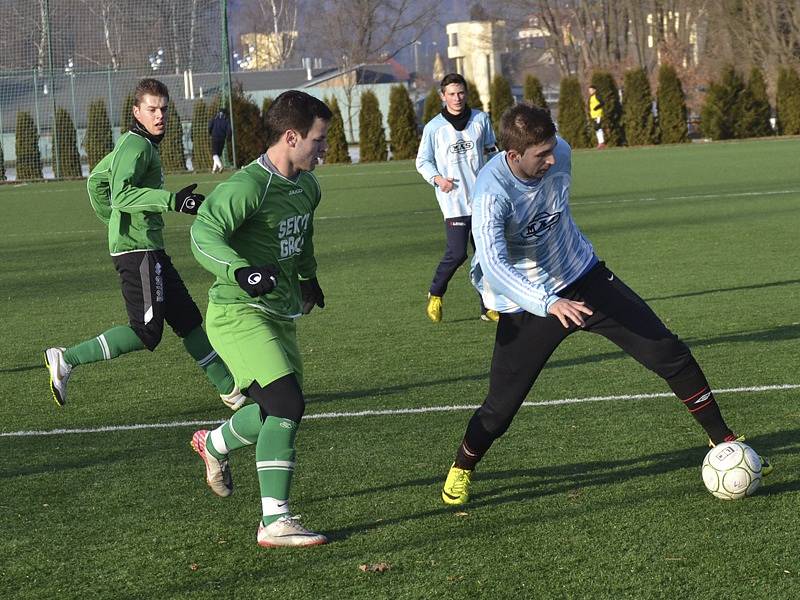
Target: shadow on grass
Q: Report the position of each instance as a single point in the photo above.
(757, 286)
(772, 334)
(23, 368)
(491, 487)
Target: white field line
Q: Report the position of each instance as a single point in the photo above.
(395, 411)
(577, 203)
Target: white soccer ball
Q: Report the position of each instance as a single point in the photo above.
(731, 470)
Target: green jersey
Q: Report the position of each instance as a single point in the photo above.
(255, 218)
(125, 193)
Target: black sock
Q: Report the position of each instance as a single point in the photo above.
(691, 387)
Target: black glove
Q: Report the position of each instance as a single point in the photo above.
(312, 294)
(187, 201)
(257, 281)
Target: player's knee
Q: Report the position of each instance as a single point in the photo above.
(667, 357)
(282, 398)
(189, 320)
(150, 334)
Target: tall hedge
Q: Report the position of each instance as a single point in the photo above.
(98, 141)
(29, 161)
(265, 104)
(173, 155)
(201, 141)
(533, 92)
(788, 102)
(337, 139)
(500, 99)
(402, 124)
(573, 123)
(69, 159)
(2, 160)
(250, 131)
(371, 135)
(754, 108)
(611, 121)
(721, 109)
(637, 109)
(473, 96)
(126, 112)
(433, 105)
(671, 107)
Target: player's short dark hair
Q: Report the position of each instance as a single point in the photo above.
(149, 86)
(453, 78)
(294, 110)
(525, 125)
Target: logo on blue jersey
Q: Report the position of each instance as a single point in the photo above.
(462, 146)
(541, 224)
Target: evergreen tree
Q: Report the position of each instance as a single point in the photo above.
(250, 131)
(433, 105)
(637, 110)
(372, 136)
(29, 161)
(2, 161)
(611, 121)
(264, 108)
(722, 109)
(755, 111)
(173, 155)
(69, 159)
(500, 99)
(788, 102)
(98, 141)
(573, 123)
(201, 141)
(473, 97)
(402, 124)
(126, 112)
(671, 107)
(337, 139)
(533, 92)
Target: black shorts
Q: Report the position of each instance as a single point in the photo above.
(154, 292)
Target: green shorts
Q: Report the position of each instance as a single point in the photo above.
(254, 345)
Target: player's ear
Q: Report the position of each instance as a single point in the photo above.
(291, 137)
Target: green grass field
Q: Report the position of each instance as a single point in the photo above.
(594, 499)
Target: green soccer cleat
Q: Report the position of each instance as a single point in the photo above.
(766, 466)
(456, 486)
(434, 309)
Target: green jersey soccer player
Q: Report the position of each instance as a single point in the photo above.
(125, 192)
(255, 234)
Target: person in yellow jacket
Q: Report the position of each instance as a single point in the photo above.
(596, 114)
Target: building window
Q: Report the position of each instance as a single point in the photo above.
(454, 39)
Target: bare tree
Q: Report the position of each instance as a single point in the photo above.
(109, 13)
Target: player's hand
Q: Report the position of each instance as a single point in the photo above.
(312, 294)
(257, 281)
(187, 200)
(445, 184)
(570, 312)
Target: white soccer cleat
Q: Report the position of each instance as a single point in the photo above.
(287, 531)
(218, 473)
(234, 400)
(60, 371)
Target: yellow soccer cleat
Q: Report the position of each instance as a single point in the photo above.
(490, 315)
(456, 486)
(434, 310)
(766, 466)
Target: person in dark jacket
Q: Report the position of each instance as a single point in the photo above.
(218, 128)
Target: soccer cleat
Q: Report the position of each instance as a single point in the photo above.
(490, 315)
(218, 473)
(60, 371)
(766, 466)
(434, 309)
(456, 486)
(234, 400)
(287, 531)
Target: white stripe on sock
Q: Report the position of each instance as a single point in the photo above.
(104, 346)
(239, 437)
(273, 506)
(218, 441)
(283, 465)
(207, 359)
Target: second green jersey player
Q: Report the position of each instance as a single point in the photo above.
(255, 234)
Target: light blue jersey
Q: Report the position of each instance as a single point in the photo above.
(527, 247)
(446, 152)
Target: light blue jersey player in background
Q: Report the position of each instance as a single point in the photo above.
(455, 145)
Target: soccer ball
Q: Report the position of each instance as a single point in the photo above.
(731, 470)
